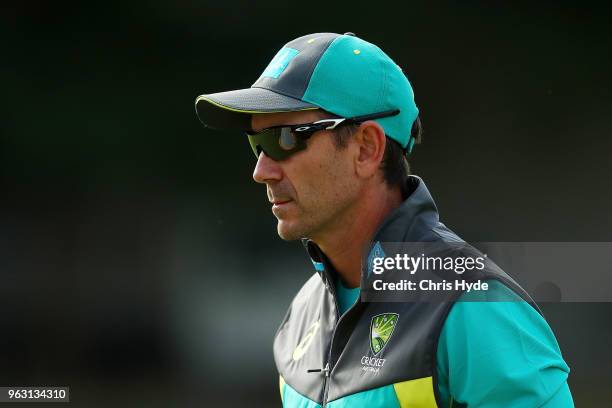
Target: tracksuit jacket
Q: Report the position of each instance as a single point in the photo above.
(328, 360)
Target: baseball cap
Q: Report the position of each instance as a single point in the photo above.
(339, 73)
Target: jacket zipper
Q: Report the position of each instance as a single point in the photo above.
(329, 365)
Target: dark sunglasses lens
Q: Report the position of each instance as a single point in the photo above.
(254, 145)
(277, 143)
(287, 140)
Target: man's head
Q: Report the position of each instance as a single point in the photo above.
(314, 190)
(322, 174)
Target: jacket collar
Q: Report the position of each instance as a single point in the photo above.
(407, 223)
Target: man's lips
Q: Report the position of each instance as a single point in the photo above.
(280, 207)
(280, 202)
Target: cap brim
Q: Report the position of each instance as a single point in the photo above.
(233, 109)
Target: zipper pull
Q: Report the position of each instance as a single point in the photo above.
(318, 370)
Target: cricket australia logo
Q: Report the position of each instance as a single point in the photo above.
(381, 330)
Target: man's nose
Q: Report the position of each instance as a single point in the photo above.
(266, 169)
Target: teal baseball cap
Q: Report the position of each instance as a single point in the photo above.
(339, 73)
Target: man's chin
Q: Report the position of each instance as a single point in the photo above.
(289, 232)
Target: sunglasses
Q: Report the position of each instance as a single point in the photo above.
(281, 142)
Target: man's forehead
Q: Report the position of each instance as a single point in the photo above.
(265, 120)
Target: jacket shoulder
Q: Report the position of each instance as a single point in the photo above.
(311, 287)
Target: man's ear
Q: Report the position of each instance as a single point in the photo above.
(371, 141)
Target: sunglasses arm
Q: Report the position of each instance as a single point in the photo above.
(379, 115)
(357, 119)
(334, 123)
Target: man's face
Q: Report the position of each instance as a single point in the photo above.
(311, 190)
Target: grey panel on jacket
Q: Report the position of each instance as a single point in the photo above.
(312, 304)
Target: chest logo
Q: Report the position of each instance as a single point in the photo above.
(381, 329)
(306, 341)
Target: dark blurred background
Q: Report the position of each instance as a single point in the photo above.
(139, 263)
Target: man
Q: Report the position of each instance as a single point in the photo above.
(331, 121)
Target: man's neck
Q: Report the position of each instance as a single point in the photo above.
(344, 246)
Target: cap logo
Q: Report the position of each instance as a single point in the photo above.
(279, 63)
